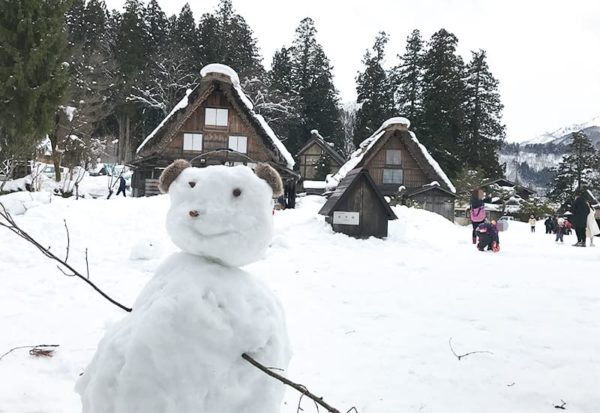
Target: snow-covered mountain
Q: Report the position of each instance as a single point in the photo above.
(530, 161)
(561, 135)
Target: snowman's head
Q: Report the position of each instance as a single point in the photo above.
(220, 212)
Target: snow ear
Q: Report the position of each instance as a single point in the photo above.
(171, 173)
(270, 176)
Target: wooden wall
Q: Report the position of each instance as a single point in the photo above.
(438, 202)
(373, 219)
(214, 137)
(413, 175)
(309, 158)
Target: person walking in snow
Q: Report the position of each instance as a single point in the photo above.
(592, 228)
(560, 230)
(477, 211)
(548, 223)
(580, 210)
(532, 222)
(122, 186)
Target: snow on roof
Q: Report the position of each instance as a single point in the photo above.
(433, 163)
(355, 159)
(288, 156)
(223, 70)
(181, 105)
(235, 81)
(314, 184)
(368, 143)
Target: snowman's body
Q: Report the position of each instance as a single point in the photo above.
(180, 349)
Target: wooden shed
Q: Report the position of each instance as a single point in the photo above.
(214, 124)
(315, 150)
(397, 161)
(357, 208)
(435, 199)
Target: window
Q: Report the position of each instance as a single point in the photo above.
(392, 157)
(238, 143)
(392, 176)
(192, 142)
(215, 117)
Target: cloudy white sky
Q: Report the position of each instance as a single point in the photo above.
(545, 53)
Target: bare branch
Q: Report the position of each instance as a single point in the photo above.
(298, 387)
(68, 241)
(13, 227)
(34, 349)
(87, 264)
(466, 354)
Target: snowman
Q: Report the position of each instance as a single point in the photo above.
(179, 350)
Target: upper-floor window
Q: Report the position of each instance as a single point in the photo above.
(393, 176)
(392, 157)
(192, 142)
(216, 117)
(238, 143)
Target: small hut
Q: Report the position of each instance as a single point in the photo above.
(396, 161)
(214, 124)
(318, 158)
(357, 208)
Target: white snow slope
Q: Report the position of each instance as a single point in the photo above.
(369, 320)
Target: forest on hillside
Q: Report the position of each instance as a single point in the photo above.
(86, 78)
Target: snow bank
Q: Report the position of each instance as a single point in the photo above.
(18, 203)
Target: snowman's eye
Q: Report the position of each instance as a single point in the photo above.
(192, 184)
(237, 192)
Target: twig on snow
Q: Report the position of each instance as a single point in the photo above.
(38, 350)
(466, 354)
(68, 241)
(12, 226)
(561, 406)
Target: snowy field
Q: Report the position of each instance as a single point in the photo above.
(369, 320)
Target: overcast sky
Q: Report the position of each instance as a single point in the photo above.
(545, 53)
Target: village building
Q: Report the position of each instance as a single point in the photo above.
(214, 124)
(400, 165)
(357, 208)
(316, 160)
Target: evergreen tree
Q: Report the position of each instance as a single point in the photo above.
(33, 71)
(184, 40)
(407, 80)
(76, 22)
(375, 94)
(130, 53)
(226, 38)
(131, 41)
(577, 170)
(312, 79)
(157, 27)
(442, 128)
(484, 129)
(322, 168)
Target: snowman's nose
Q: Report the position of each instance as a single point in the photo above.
(194, 213)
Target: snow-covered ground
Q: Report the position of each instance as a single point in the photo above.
(369, 320)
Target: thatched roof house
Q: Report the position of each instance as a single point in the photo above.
(214, 123)
(315, 149)
(399, 163)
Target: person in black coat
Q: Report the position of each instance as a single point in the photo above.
(123, 185)
(580, 212)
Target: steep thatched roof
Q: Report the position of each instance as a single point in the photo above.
(319, 140)
(222, 78)
(370, 146)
